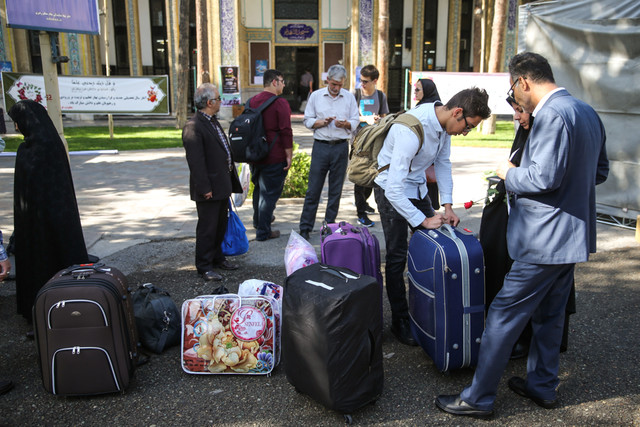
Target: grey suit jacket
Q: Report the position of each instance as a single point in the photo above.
(553, 219)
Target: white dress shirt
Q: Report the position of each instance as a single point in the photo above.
(322, 105)
(405, 179)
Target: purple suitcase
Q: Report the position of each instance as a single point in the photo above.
(446, 295)
(352, 247)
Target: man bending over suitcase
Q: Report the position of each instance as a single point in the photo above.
(401, 190)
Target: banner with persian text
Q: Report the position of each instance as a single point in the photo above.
(67, 16)
(100, 95)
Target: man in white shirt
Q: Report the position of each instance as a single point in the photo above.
(401, 190)
(333, 115)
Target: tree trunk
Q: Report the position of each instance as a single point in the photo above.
(201, 43)
(496, 52)
(383, 44)
(183, 65)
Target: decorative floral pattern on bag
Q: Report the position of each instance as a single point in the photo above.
(228, 334)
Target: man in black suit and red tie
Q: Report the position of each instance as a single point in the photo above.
(213, 178)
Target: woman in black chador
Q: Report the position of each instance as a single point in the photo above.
(426, 92)
(493, 234)
(47, 229)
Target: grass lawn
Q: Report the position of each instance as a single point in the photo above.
(503, 138)
(124, 138)
(141, 138)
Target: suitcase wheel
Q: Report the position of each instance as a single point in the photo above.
(348, 419)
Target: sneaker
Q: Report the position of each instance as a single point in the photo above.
(369, 209)
(364, 220)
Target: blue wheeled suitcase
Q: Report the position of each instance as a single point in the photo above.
(446, 295)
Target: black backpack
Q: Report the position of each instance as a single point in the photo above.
(247, 136)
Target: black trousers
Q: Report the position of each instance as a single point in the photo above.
(396, 234)
(212, 224)
(361, 194)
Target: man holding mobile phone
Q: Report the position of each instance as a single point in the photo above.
(332, 113)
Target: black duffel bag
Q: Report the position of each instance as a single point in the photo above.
(157, 318)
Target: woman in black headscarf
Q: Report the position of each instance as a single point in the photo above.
(47, 229)
(426, 92)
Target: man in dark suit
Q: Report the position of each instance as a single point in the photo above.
(213, 178)
(552, 226)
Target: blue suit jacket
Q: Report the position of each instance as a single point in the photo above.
(553, 219)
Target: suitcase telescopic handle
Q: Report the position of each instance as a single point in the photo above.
(84, 268)
(449, 230)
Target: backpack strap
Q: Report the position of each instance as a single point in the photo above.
(262, 107)
(413, 123)
(358, 96)
(379, 99)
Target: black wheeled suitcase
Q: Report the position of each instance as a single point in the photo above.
(331, 336)
(446, 295)
(85, 331)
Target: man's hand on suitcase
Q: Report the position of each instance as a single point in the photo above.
(449, 216)
(435, 221)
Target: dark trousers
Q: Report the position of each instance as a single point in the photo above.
(212, 224)
(530, 291)
(325, 159)
(361, 194)
(395, 228)
(268, 181)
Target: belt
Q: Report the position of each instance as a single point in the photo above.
(332, 142)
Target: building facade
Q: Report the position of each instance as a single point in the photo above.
(248, 36)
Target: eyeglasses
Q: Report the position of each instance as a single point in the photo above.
(364, 82)
(216, 99)
(281, 81)
(467, 128)
(510, 92)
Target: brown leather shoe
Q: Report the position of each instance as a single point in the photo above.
(226, 265)
(274, 235)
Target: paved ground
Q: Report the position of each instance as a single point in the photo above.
(137, 216)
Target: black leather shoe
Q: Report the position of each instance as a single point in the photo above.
(518, 385)
(452, 404)
(401, 329)
(305, 235)
(5, 386)
(211, 276)
(226, 265)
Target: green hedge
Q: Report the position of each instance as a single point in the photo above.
(297, 181)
